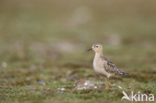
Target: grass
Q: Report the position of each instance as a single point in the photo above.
(43, 48)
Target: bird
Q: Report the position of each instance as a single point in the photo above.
(104, 66)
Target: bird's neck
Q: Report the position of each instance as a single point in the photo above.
(99, 54)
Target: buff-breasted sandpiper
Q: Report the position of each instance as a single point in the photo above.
(102, 65)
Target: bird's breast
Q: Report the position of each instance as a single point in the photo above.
(97, 66)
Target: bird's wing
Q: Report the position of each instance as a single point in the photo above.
(111, 68)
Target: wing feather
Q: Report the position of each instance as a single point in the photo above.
(111, 68)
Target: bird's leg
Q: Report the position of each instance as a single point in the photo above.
(107, 87)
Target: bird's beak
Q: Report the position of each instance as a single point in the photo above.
(89, 49)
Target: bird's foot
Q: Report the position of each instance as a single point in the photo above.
(107, 88)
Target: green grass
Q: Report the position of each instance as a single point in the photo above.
(47, 41)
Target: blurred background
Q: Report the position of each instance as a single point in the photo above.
(42, 28)
(41, 40)
(58, 32)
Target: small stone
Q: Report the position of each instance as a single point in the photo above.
(48, 89)
(62, 88)
(86, 83)
(27, 78)
(41, 81)
(4, 64)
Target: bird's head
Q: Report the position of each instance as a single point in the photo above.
(96, 47)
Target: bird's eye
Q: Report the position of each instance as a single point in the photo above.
(96, 46)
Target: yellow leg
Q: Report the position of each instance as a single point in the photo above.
(107, 87)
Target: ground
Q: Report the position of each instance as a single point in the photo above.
(43, 47)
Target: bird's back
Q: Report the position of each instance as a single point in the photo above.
(110, 67)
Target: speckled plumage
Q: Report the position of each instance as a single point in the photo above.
(111, 68)
(104, 66)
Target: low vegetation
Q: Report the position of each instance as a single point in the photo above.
(43, 49)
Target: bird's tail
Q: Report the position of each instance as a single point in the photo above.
(123, 73)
